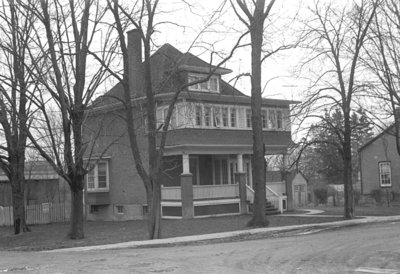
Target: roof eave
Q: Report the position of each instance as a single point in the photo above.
(209, 69)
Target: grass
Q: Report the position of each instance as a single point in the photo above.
(382, 210)
(53, 236)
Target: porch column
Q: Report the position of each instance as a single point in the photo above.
(240, 163)
(186, 189)
(185, 164)
(240, 179)
(288, 183)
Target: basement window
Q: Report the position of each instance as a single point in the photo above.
(94, 208)
(120, 209)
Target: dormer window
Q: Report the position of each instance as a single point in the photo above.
(212, 85)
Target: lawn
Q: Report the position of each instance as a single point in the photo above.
(382, 210)
(52, 236)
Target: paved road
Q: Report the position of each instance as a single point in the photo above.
(371, 248)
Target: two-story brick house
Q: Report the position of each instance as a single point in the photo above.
(379, 163)
(208, 149)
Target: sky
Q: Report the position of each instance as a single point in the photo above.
(201, 30)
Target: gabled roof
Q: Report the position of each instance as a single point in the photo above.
(38, 170)
(389, 130)
(185, 61)
(167, 61)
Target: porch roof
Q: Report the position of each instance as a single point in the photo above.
(223, 141)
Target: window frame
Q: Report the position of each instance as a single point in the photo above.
(248, 115)
(198, 115)
(381, 179)
(95, 171)
(204, 86)
(233, 123)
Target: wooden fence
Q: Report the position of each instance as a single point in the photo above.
(37, 214)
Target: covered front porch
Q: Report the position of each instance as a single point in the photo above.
(201, 185)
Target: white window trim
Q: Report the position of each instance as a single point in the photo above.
(380, 164)
(96, 179)
(197, 87)
(187, 119)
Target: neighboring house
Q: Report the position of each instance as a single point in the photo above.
(380, 164)
(208, 153)
(42, 185)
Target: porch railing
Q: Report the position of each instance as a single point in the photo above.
(171, 193)
(202, 192)
(215, 191)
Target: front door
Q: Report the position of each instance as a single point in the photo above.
(220, 170)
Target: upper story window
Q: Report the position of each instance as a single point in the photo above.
(248, 118)
(279, 119)
(202, 115)
(233, 113)
(224, 116)
(199, 116)
(385, 174)
(212, 85)
(264, 119)
(98, 177)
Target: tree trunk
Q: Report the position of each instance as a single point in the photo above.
(77, 215)
(17, 180)
(258, 171)
(347, 174)
(154, 209)
(18, 208)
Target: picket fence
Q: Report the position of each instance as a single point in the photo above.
(37, 214)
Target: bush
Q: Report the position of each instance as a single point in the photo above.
(377, 194)
(321, 195)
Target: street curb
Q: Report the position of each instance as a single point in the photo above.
(225, 235)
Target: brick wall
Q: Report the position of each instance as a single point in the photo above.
(382, 149)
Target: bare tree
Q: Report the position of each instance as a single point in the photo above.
(16, 84)
(142, 17)
(66, 33)
(336, 37)
(384, 59)
(253, 17)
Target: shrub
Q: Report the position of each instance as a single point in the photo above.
(321, 194)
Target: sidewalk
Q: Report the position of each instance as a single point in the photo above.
(235, 234)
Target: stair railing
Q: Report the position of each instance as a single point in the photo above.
(279, 201)
(249, 194)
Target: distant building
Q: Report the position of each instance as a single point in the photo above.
(43, 185)
(380, 163)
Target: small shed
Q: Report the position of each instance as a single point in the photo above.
(299, 189)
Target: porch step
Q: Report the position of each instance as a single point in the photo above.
(270, 209)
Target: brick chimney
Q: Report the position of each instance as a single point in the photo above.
(135, 63)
